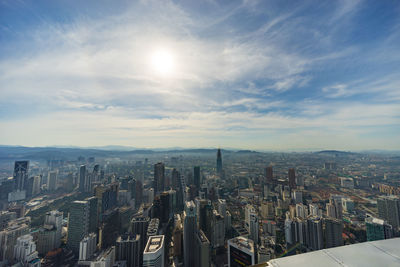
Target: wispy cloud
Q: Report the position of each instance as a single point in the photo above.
(244, 72)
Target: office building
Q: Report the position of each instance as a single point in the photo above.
(78, 224)
(9, 235)
(202, 250)
(87, 246)
(314, 210)
(20, 174)
(248, 210)
(159, 177)
(297, 196)
(46, 239)
(314, 234)
(219, 162)
(217, 230)
(154, 225)
(139, 226)
(153, 255)
(105, 259)
(241, 252)
(189, 231)
(389, 210)
(82, 178)
(269, 176)
(196, 177)
(127, 248)
(177, 236)
(254, 228)
(292, 178)
(55, 218)
(333, 232)
(378, 229)
(36, 185)
(25, 250)
(93, 215)
(348, 205)
(5, 217)
(52, 181)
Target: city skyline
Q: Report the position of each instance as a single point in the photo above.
(240, 74)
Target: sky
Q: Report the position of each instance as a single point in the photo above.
(263, 75)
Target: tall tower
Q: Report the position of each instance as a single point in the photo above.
(139, 227)
(189, 231)
(196, 177)
(268, 174)
(82, 178)
(159, 177)
(219, 162)
(78, 224)
(52, 181)
(20, 174)
(128, 249)
(292, 178)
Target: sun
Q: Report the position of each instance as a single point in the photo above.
(163, 62)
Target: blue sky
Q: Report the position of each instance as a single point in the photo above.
(273, 75)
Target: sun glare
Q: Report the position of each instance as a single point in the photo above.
(163, 62)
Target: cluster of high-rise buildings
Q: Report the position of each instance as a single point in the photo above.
(216, 215)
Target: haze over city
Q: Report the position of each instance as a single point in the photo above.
(265, 75)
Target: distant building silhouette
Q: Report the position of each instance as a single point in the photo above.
(159, 177)
(219, 162)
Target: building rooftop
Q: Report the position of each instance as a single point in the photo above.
(375, 253)
(242, 243)
(154, 243)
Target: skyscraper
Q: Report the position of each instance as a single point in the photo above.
(52, 181)
(292, 178)
(196, 177)
(217, 230)
(55, 218)
(202, 250)
(315, 235)
(333, 232)
(139, 227)
(241, 252)
(254, 228)
(219, 162)
(159, 177)
(128, 249)
(82, 178)
(153, 255)
(20, 174)
(268, 174)
(78, 224)
(93, 215)
(378, 229)
(389, 210)
(87, 246)
(189, 231)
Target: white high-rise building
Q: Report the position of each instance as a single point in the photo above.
(249, 209)
(25, 249)
(301, 211)
(254, 228)
(153, 255)
(55, 218)
(87, 246)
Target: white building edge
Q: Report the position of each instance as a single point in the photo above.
(374, 253)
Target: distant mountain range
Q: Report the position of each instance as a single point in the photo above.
(70, 153)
